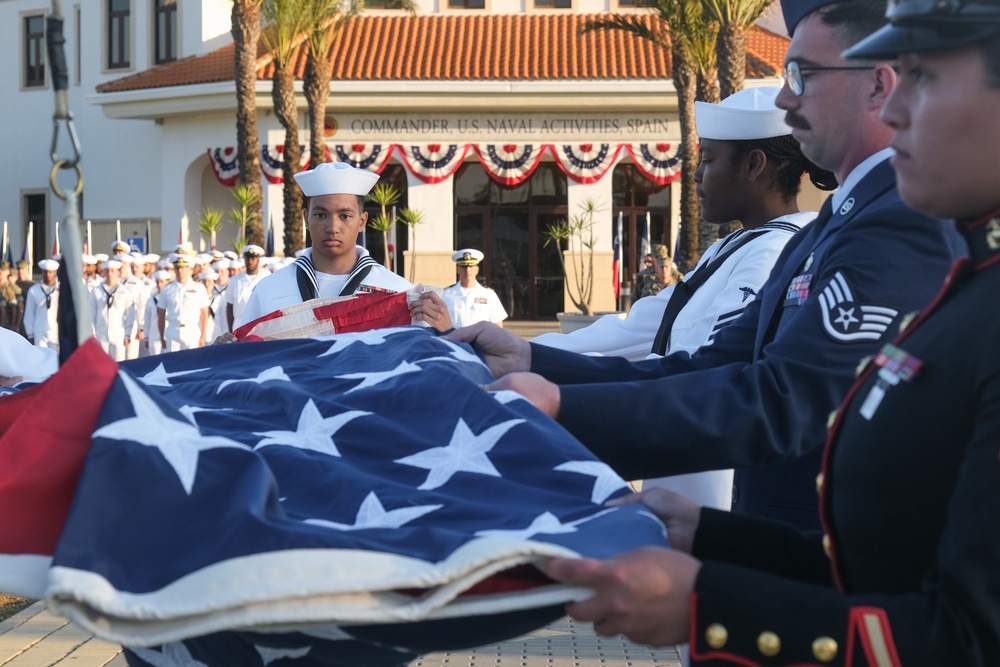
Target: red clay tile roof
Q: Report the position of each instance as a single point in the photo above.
(463, 47)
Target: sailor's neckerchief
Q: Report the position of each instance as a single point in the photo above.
(309, 286)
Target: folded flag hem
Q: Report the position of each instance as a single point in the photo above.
(213, 599)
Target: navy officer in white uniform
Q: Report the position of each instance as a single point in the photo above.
(468, 301)
(335, 265)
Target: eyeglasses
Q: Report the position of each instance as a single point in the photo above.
(793, 74)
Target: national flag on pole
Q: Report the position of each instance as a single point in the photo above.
(646, 247)
(29, 246)
(8, 251)
(358, 499)
(616, 262)
(269, 238)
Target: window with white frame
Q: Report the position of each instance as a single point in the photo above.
(119, 34)
(165, 27)
(34, 51)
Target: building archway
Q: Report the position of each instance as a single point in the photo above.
(508, 225)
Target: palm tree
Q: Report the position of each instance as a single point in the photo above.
(286, 23)
(411, 217)
(735, 18)
(578, 234)
(684, 30)
(385, 195)
(327, 18)
(209, 222)
(246, 34)
(246, 200)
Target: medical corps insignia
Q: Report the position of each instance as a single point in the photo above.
(846, 320)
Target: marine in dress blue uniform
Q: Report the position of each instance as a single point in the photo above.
(908, 491)
(758, 398)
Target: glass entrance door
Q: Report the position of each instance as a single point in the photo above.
(508, 225)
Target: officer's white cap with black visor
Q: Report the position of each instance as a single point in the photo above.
(917, 26)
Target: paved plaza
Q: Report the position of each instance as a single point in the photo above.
(37, 638)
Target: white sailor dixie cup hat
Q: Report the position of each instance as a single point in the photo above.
(336, 178)
(748, 114)
(467, 257)
(48, 265)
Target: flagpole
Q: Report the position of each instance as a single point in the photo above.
(621, 259)
(649, 235)
(3, 253)
(90, 240)
(29, 242)
(56, 246)
(118, 230)
(392, 234)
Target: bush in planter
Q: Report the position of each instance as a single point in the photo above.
(578, 234)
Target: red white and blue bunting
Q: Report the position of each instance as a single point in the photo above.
(660, 163)
(272, 163)
(508, 164)
(433, 163)
(226, 165)
(372, 157)
(586, 163)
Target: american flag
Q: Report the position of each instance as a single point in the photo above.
(350, 500)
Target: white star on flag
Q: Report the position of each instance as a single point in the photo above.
(606, 481)
(314, 431)
(177, 440)
(273, 373)
(372, 514)
(159, 377)
(505, 396)
(457, 353)
(545, 523)
(465, 452)
(269, 655)
(373, 337)
(174, 654)
(190, 411)
(377, 377)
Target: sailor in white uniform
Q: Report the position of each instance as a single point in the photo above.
(113, 310)
(468, 301)
(335, 265)
(41, 308)
(183, 310)
(750, 171)
(242, 285)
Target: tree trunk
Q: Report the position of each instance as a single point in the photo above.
(316, 85)
(246, 34)
(685, 83)
(731, 51)
(287, 113)
(708, 88)
(708, 91)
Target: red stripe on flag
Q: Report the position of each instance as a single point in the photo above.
(45, 433)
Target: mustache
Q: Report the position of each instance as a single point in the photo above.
(796, 121)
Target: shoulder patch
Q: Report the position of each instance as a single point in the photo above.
(845, 319)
